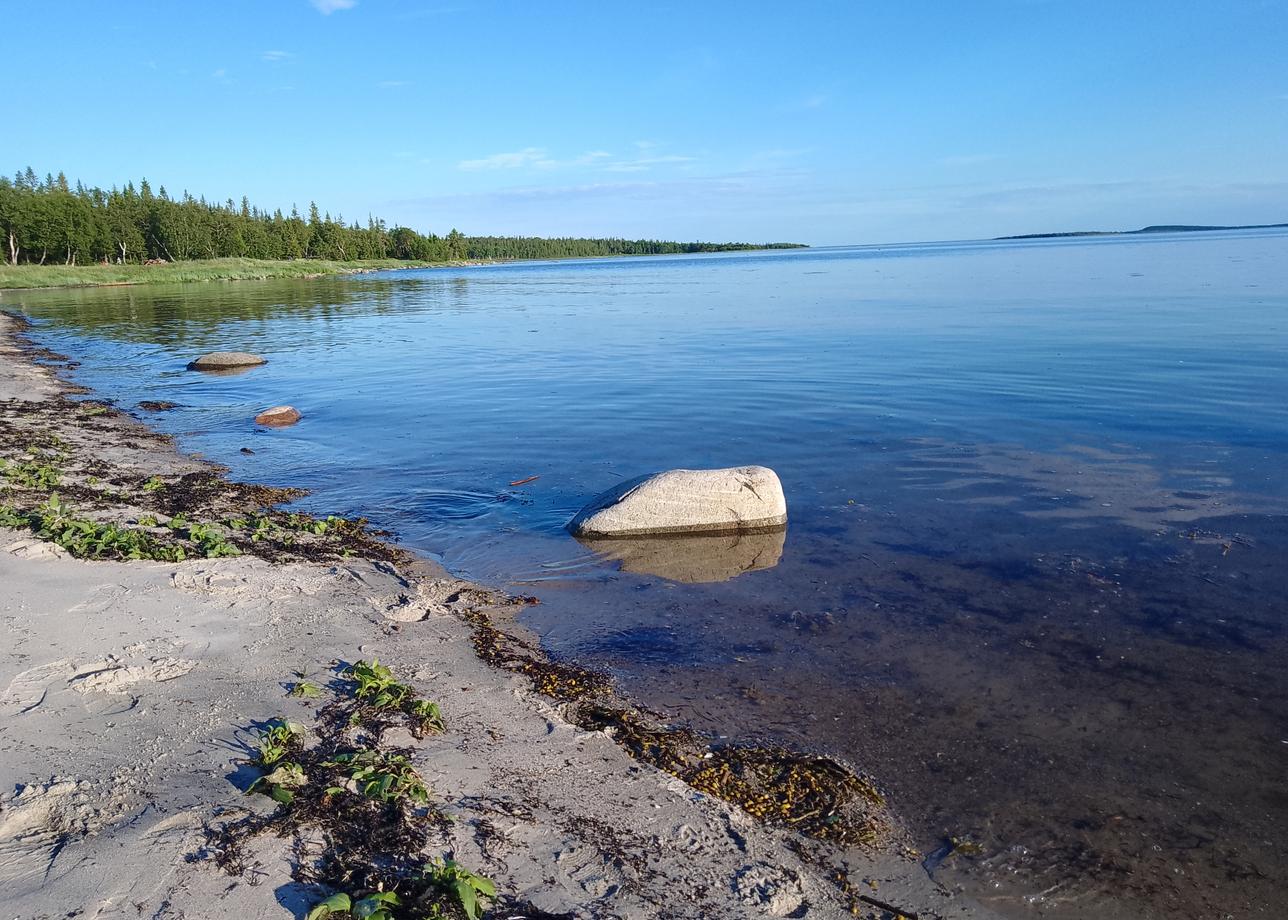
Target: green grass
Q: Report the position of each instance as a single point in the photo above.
(48, 276)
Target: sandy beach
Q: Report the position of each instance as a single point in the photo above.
(132, 693)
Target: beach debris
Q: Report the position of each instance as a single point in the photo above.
(374, 815)
(812, 795)
(278, 417)
(225, 360)
(524, 482)
(743, 498)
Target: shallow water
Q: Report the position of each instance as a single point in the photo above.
(1034, 580)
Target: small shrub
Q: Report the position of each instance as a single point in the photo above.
(374, 906)
(306, 690)
(278, 739)
(465, 886)
(279, 783)
(382, 776)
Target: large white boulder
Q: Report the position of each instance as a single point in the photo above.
(740, 498)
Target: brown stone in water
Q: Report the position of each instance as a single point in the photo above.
(278, 417)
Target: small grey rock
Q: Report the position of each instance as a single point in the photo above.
(225, 360)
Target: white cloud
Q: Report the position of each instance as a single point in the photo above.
(276, 56)
(220, 74)
(643, 164)
(327, 7)
(538, 158)
(528, 156)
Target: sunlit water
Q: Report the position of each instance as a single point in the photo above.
(1035, 576)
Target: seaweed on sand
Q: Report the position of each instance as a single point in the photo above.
(810, 794)
(361, 821)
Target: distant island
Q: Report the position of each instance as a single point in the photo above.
(1157, 228)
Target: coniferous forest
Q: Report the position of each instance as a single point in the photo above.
(50, 221)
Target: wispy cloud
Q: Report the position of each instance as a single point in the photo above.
(816, 101)
(327, 7)
(642, 160)
(645, 163)
(969, 159)
(274, 56)
(221, 75)
(528, 156)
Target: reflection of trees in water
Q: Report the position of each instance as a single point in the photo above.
(197, 315)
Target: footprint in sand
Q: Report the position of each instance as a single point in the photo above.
(38, 819)
(29, 689)
(768, 888)
(112, 677)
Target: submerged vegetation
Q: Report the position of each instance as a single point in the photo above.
(51, 230)
(814, 796)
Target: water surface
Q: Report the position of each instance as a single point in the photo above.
(1034, 579)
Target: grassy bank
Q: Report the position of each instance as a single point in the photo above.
(48, 276)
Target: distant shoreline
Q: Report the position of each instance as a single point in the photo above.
(1157, 228)
(38, 277)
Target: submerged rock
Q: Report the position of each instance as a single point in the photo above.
(225, 360)
(693, 559)
(278, 417)
(743, 498)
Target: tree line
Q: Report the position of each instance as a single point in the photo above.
(50, 220)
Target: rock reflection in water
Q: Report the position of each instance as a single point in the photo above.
(693, 559)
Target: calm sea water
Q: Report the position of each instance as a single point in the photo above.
(1036, 573)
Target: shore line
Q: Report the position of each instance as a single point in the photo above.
(539, 759)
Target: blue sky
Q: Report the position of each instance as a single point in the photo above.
(821, 122)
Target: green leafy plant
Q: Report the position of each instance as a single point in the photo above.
(428, 713)
(88, 539)
(279, 783)
(31, 474)
(374, 906)
(154, 484)
(305, 690)
(378, 689)
(383, 776)
(468, 888)
(279, 738)
(11, 518)
(377, 686)
(211, 542)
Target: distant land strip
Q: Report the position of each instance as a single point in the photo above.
(1157, 228)
(54, 222)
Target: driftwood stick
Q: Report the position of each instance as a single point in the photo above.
(889, 908)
